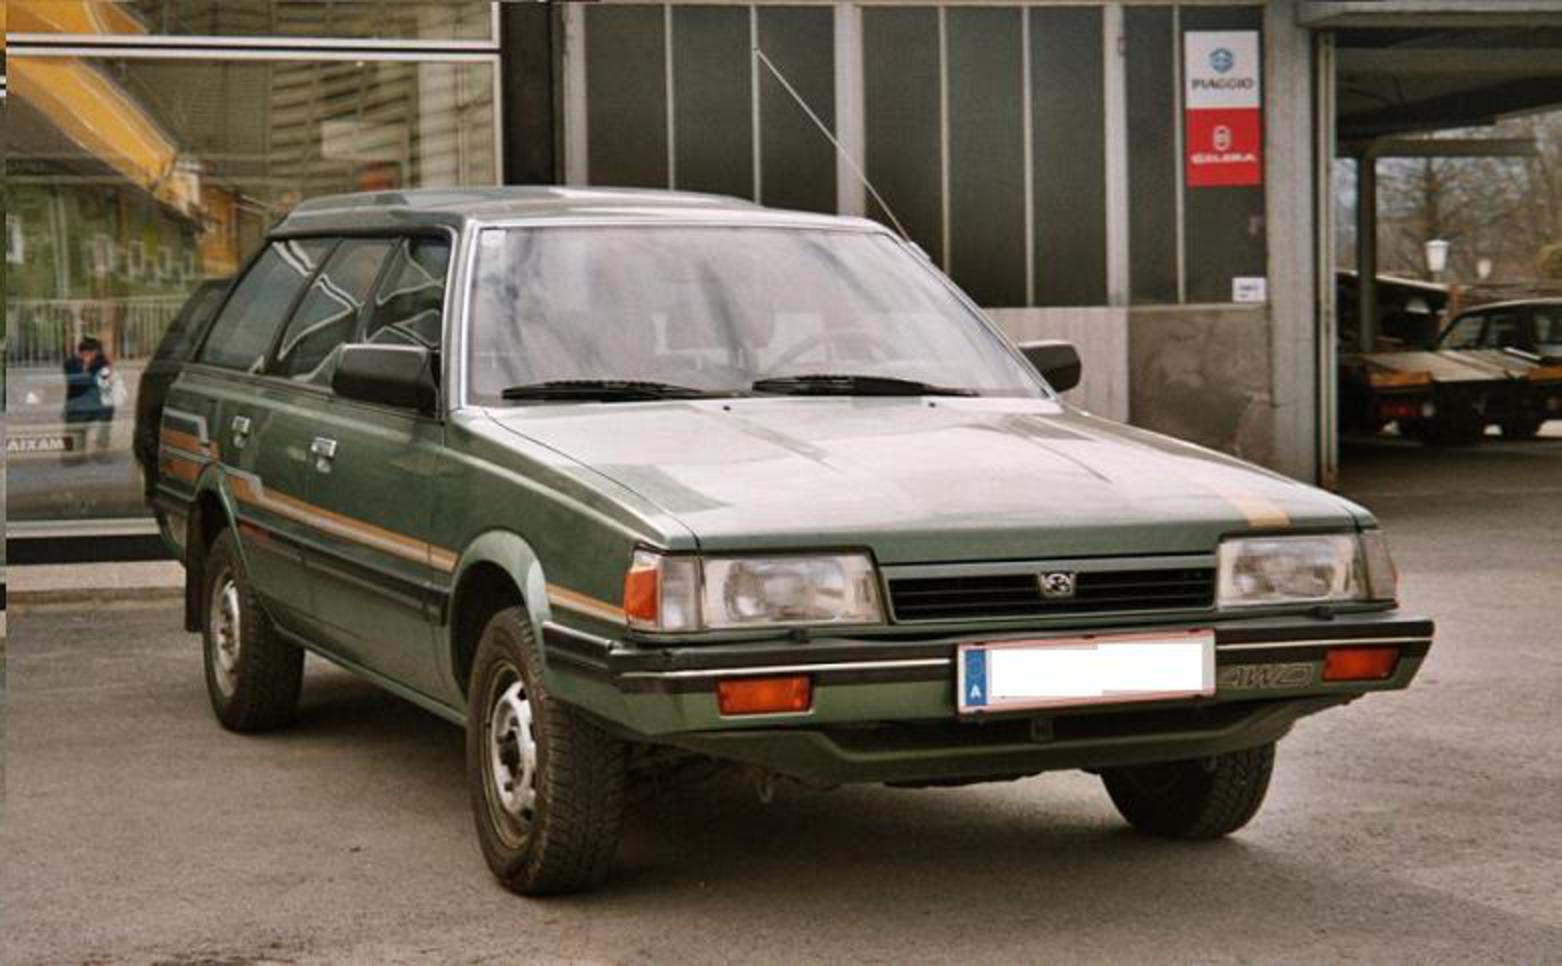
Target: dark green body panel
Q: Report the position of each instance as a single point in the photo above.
(368, 559)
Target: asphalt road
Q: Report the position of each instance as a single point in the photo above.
(1421, 826)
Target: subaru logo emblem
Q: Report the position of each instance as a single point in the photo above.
(1222, 59)
(1056, 586)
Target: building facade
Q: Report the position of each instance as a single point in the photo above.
(1148, 179)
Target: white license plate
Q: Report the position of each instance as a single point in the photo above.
(1106, 669)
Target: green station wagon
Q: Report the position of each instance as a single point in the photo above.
(631, 481)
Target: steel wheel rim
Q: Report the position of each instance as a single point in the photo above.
(225, 632)
(510, 757)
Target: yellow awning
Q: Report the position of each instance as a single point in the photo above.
(71, 17)
(94, 112)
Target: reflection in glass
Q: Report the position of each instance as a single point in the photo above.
(372, 19)
(133, 180)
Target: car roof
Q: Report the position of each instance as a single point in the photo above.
(1510, 304)
(460, 207)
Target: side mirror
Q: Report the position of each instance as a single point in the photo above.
(391, 375)
(1057, 361)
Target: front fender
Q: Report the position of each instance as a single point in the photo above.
(511, 553)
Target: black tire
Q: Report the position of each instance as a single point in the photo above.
(1461, 429)
(1199, 798)
(1521, 427)
(252, 676)
(547, 824)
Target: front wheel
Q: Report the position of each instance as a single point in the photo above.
(546, 783)
(1197, 798)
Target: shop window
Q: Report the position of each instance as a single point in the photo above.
(626, 94)
(986, 79)
(797, 162)
(1224, 236)
(412, 20)
(1152, 153)
(712, 100)
(1068, 109)
(903, 119)
(209, 150)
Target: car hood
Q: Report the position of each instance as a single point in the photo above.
(922, 480)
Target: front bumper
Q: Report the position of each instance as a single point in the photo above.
(884, 709)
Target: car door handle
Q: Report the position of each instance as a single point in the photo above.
(241, 427)
(324, 451)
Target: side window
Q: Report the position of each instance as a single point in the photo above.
(409, 308)
(328, 316)
(1503, 330)
(242, 335)
(1548, 325)
(1466, 333)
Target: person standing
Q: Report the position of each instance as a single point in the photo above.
(89, 398)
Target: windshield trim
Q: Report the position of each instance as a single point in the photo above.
(464, 273)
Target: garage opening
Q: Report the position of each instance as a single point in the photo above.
(1443, 227)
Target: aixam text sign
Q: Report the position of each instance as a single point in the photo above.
(1222, 106)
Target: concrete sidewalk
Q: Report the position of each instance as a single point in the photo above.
(43, 585)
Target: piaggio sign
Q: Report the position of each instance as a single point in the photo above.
(1222, 109)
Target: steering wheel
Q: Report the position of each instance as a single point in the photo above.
(879, 347)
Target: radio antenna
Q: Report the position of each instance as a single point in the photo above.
(825, 130)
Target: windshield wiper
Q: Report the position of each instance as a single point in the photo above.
(605, 390)
(846, 384)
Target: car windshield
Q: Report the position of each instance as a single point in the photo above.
(721, 309)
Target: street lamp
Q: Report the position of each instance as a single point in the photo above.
(1437, 257)
(1483, 269)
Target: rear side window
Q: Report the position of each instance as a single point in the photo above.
(1504, 330)
(409, 307)
(1548, 325)
(328, 316)
(243, 333)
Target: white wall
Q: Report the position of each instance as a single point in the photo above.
(1100, 335)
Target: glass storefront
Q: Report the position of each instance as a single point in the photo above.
(167, 21)
(141, 166)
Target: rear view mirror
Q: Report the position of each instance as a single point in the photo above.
(390, 375)
(1057, 361)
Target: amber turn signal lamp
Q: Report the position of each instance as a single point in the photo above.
(1359, 663)
(765, 695)
(641, 594)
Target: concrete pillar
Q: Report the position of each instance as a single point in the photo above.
(1367, 250)
(1289, 129)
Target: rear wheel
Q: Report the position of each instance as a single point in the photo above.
(1452, 429)
(252, 676)
(546, 783)
(1198, 798)
(1521, 427)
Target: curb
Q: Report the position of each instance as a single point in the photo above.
(94, 584)
(18, 600)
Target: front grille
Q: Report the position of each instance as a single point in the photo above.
(1019, 595)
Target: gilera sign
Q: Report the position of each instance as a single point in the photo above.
(1222, 114)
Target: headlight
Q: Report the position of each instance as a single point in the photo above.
(1264, 571)
(666, 593)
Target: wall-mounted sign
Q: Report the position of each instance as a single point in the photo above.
(1223, 132)
(1249, 288)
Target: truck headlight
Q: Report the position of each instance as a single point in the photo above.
(673, 593)
(1265, 571)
